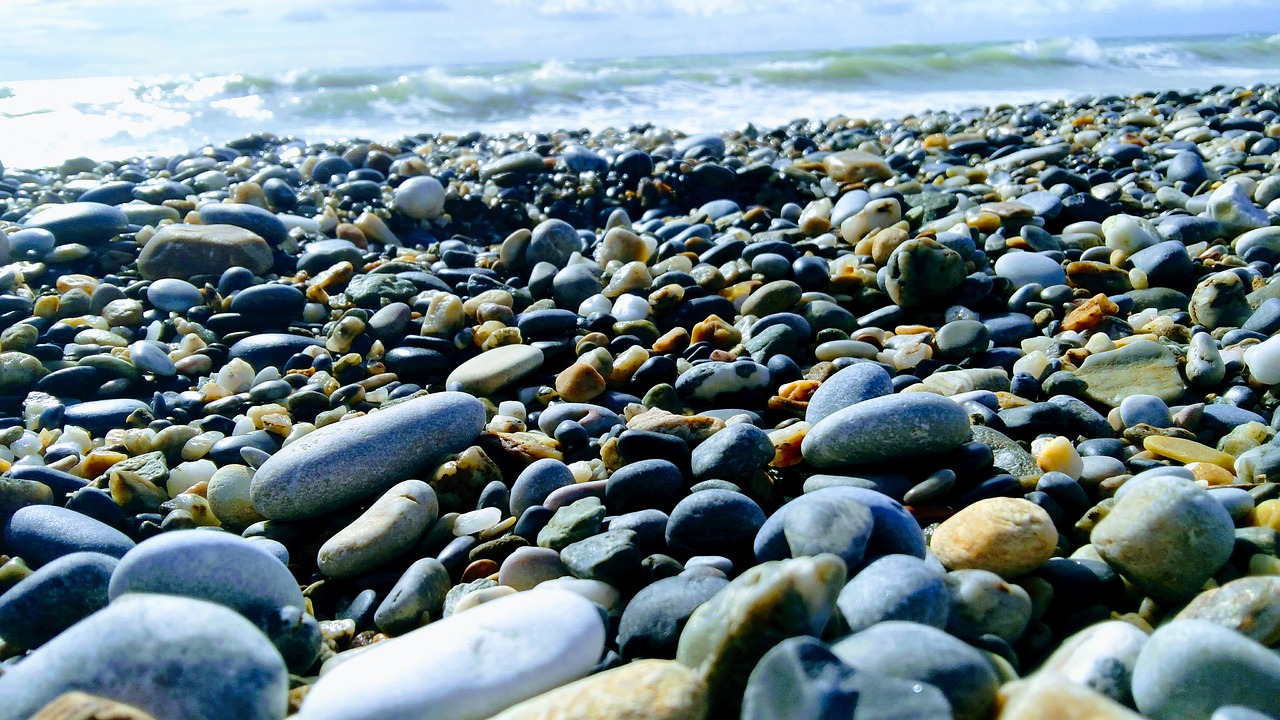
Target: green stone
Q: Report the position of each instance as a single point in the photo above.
(1142, 367)
(571, 523)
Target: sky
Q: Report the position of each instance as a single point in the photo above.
(93, 38)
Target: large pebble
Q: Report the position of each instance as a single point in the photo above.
(469, 666)
(896, 587)
(420, 198)
(1008, 536)
(1190, 668)
(884, 429)
(347, 461)
(1141, 367)
(1166, 535)
(714, 522)
(895, 531)
(854, 384)
(490, 371)
(173, 657)
(912, 651)
(40, 534)
(652, 622)
(79, 222)
(54, 598)
(642, 690)
(184, 251)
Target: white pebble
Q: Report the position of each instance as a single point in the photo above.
(187, 474)
(630, 307)
(1263, 361)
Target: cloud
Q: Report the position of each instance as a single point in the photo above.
(402, 6)
(305, 15)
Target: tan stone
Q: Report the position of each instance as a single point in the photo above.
(1048, 696)
(642, 690)
(1247, 605)
(579, 382)
(181, 251)
(692, 429)
(1187, 451)
(1007, 536)
(83, 706)
(856, 166)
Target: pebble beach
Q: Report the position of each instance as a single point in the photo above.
(964, 414)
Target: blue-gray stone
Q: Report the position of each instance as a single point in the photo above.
(342, 463)
(595, 418)
(150, 356)
(1023, 268)
(895, 530)
(415, 599)
(912, 651)
(885, 429)
(79, 222)
(250, 217)
(982, 603)
(1147, 409)
(829, 525)
(651, 624)
(141, 648)
(1190, 668)
(714, 522)
(55, 597)
(1046, 204)
(99, 416)
(1266, 319)
(1165, 264)
(173, 295)
(321, 255)
(896, 587)
(1220, 418)
(643, 485)
(271, 349)
(801, 678)
(270, 299)
(536, 482)
(1187, 167)
(734, 453)
(854, 384)
(40, 534)
(553, 241)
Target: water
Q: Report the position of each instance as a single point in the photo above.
(45, 121)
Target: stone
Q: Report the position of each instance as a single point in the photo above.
(536, 482)
(527, 567)
(982, 603)
(1024, 268)
(173, 295)
(642, 690)
(714, 522)
(54, 598)
(468, 666)
(729, 634)
(911, 651)
(653, 620)
(959, 339)
(1190, 668)
(801, 678)
(1231, 206)
(347, 461)
(1100, 657)
(88, 223)
(884, 429)
(1187, 451)
(851, 385)
(1007, 536)
(1166, 535)
(734, 453)
(1141, 367)
(829, 524)
(421, 198)
(228, 495)
(1220, 300)
(1248, 605)
(1047, 696)
(921, 272)
(553, 241)
(895, 530)
(184, 251)
(896, 587)
(250, 217)
(612, 557)
(384, 532)
(856, 166)
(76, 705)
(709, 381)
(1263, 361)
(40, 534)
(642, 485)
(141, 647)
(19, 372)
(416, 599)
(494, 369)
(576, 521)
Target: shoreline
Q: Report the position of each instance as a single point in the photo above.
(973, 411)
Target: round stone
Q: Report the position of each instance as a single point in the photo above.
(420, 198)
(184, 251)
(884, 429)
(896, 587)
(173, 295)
(714, 522)
(1007, 536)
(1190, 668)
(1024, 268)
(854, 384)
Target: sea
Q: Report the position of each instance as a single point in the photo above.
(43, 122)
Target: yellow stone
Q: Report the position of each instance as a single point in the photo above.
(1267, 514)
(1060, 455)
(1050, 696)
(1187, 451)
(786, 444)
(1008, 536)
(1210, 473)
(642, 690)
(579, 382)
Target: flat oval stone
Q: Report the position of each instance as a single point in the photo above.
(271, 349)
(141, 648)
(173, 295)
(714, 522)
(344, 462)
(79, 222)
(54, 598)
(652, 689)
(884, 429)
(184, 251)
(490, 371)
(99, 416)
(651, 624)
(854, 384)
(1141, 367)
(250, 217)
(382, 533)
(894, 530)
(468, 666)
(895, 587)
(1024, 268)
(40, 534)
(415, 599)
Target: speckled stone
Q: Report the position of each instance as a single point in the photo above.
(1141, 367)
(1248, 605)
(1008, 536)
(347, 461)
